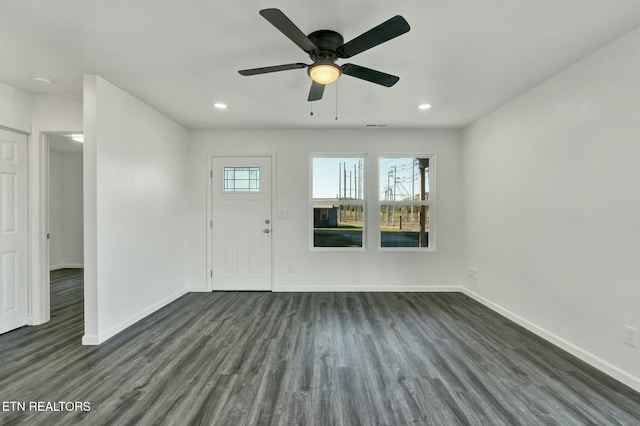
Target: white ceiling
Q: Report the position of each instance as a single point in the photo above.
(466, 57)
(63, 144)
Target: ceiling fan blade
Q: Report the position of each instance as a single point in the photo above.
(264, 70)
(316, 91)
(368, 74)
(288, 28)
(389, 29)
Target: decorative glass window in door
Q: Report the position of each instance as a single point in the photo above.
(242, 179)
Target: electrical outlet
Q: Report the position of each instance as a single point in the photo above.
(283, 214)
(631, 336)
(290, 268)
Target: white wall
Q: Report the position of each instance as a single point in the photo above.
(313, 270)
(57, 112)
(65, 210)
(56, 210)
(552, 207)
(15, 109)
(135, 163)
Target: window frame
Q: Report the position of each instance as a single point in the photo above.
(322, 202)
(431, 202)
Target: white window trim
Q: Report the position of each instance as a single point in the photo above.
(431, 202)
(323, 201)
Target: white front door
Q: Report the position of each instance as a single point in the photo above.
(13, 231)
(241, 229)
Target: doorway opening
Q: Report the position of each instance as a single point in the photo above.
(64, 205)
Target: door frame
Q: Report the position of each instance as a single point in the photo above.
(39, 262)
(209, 223)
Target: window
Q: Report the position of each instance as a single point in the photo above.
(405, 201)
(337, 201)
(242, 179)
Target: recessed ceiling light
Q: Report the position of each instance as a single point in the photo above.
(424, 106)
(43, 79)
(220, 105)
(77, 138)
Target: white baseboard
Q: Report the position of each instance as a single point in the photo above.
(66, 265)
(375, 289)
(90, 339)
(103, 337)
(602, 365)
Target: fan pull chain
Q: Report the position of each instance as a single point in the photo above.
(336, 100)
(311, 105)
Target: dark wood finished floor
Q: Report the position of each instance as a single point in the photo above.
(304, 359)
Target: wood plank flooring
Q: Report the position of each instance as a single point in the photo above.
(249, 358)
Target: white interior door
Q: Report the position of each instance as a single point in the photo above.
(241, 228)
(13, 231)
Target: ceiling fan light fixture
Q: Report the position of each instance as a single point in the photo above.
(324, 47)
(324, 73)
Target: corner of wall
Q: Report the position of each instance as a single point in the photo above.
(90, 208)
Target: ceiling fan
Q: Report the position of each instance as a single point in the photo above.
(325, 47)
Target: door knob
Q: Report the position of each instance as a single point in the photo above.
(266, 231)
